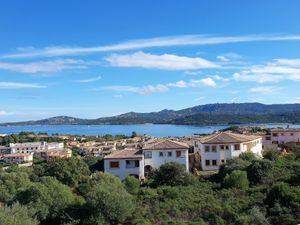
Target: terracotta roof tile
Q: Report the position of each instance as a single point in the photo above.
(166, 144)
(125, 154)
(227, 137)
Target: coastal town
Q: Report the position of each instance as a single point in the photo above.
(139, 155)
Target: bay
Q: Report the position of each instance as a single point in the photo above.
(159, 130)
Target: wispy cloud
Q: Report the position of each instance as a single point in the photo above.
(165, 61)
(14, 85)
(90, 80)
(44, 66)
(150, 89)
(275, 71)
(264, 89)
(182, 40)
(5, 113)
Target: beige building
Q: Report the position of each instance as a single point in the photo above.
(217, 148)
(17, 158)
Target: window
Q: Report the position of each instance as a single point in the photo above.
(213, 148)
(222, 147)
(275, 134)
(226, 147)
(282, 134)
(222, 161)
(114, 164)
(206, 148)
(207, 163)
(214, 162)
(132, 163)
(292, 134)
(268, 138)
(237, 147)
(148, 155)
(178, 153)
(275, 142)
(170, 154)
(161, 154)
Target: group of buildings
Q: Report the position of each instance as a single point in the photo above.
(23, 153)
(212, 150)
(140, 155)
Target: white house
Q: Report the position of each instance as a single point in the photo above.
(215, 149)
(163, 152)
(139, 163)
(281, 136)
(29, 147)
(125, 163)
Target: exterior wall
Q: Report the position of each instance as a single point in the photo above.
(272, 140)
(123, 171)
(17, 159)
(156, 161)
(30, 147)
(221, 156)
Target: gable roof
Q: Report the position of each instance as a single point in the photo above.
(166, 145)
(227, 137)
(125, 154)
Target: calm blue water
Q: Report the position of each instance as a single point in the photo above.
(149, 129)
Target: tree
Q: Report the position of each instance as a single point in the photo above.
(70, 171)
(50, 199)
(133, 134)
(231, 165)
(17, 215)
(259, 171)
(12, 183)
(131, 184)
(172, 174)
(108, 200)
(248, 156)
(237, 179)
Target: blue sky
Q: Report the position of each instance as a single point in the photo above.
(90, 59)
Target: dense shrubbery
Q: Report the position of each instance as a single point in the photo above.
(71, 191)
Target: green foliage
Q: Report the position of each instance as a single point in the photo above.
(272, 155)
(12, 183)
(237, 179)
(17, 215)
(132, 185)
(259, 172)
(108, 200)
(172, 174)
(50, 199)
(248, 156)
(70, 171)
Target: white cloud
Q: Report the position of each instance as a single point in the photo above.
(165, 61)
(5, 113)
(14, 85)
(264, 89)
(182, 40)
(274, 71)
(149, 89)
(206, 82)
(44, 66)
(89, 80)
(223, 58)
(179, 84)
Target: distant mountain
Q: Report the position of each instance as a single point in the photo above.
(225, 113)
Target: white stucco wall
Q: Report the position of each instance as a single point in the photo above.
(122, 171)
(225, 154)
(156, 161)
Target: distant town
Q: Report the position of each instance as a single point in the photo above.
(138, 155)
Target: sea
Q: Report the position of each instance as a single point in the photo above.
(158, 130)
